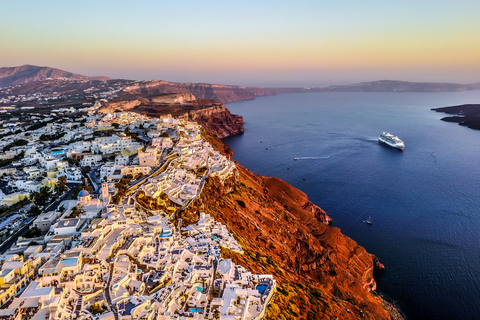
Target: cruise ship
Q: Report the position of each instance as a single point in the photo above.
(391, 140)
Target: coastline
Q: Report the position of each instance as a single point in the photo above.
(394, 312)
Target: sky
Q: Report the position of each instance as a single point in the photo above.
(262, 42)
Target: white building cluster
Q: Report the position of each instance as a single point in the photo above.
(122, 260)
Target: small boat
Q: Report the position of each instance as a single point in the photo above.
(295, 159)
(369, 220)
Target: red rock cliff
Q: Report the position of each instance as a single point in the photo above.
(322, 274)
(210, 114)
(206, 91)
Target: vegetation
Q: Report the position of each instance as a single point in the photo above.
(122, 188)
(16, 143)
(6, 211)
(34, 210)
(33, 232)
(95, 308)
(49, 137)
(70, 160)
(76, 211)
(7, 162)
(61, 186)
(41, 197)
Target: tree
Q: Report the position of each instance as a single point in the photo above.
(33, 232)
(41, 197)
(203, 280)
(86, 169)
(95, 308)
(61, 186)
(61, 208)
(216, 314)
(34, 210)
(115, 125)
(122, 188)
(76, 211)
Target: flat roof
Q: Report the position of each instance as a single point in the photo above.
(5, 272)
(34, 290)
(67, 223)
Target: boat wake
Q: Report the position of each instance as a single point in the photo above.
(312, 158)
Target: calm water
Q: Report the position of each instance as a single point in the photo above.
(424, 202)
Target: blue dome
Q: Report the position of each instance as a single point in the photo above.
(83, 193)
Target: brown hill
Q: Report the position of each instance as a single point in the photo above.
(11, 76)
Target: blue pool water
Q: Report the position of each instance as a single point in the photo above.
(165, 234)
(195, 310)
(261, 288)
(424, 202)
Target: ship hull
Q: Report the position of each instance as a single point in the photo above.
(391, 145)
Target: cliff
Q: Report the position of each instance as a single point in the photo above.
(322, 274)
(210, 114)
(11, 76)
(206, 91)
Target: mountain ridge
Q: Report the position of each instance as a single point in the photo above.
(11, 76)
(29, 74)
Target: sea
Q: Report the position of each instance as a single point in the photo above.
(424, 202)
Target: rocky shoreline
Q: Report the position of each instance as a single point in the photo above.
(465, 115)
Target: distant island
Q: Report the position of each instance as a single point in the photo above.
(465, 115)
(31, 78)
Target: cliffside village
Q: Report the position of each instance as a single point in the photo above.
(99, 194)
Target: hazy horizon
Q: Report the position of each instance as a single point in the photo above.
(306, 44)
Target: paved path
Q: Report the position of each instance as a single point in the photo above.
(107, 293)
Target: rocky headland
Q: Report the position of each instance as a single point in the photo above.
(465, 115)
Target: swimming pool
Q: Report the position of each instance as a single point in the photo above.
(195, 310)
(199, 289)
(262, 288)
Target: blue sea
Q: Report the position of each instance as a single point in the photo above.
(424, 202)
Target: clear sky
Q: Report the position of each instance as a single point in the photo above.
(262, 42)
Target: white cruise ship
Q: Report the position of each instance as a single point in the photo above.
(391, 140)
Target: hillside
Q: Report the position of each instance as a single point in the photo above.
(11, 76)
(322, 274)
